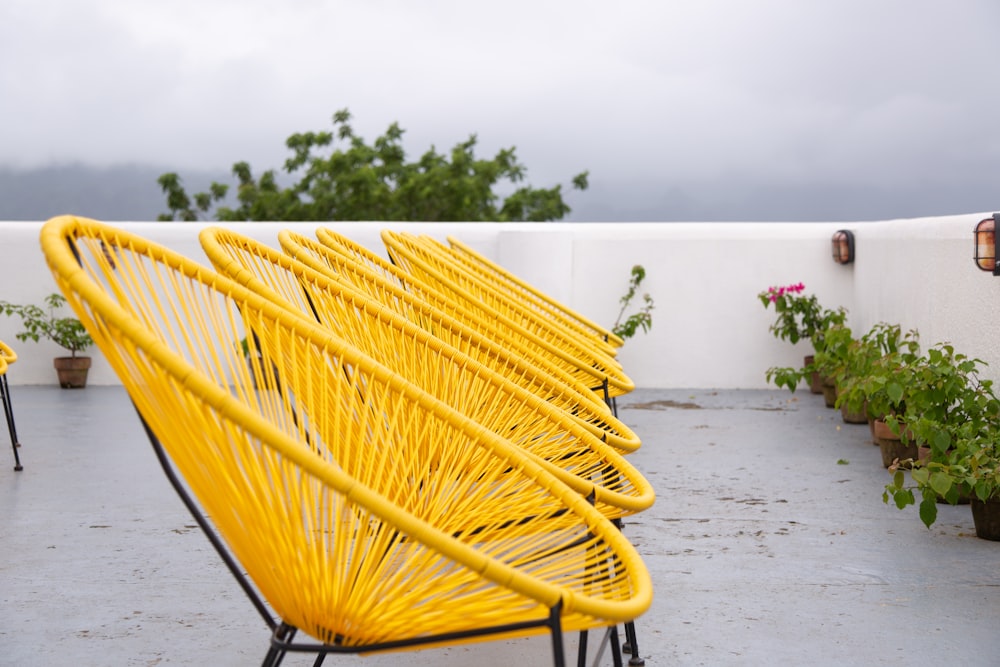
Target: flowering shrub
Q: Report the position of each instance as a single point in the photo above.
(799, 316)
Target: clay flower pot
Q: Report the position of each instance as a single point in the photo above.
(815, 386)
(829, 392)
(986, 517)
(72, 371)
(892, 446)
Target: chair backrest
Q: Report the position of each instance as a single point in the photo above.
(453, 300)
(337, 258)
(430, 252)
(7, 353)
(521, 290)
(354, 500)
(426, 263)
(556, 438)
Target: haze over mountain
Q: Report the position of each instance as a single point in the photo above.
(127, 192)
(130, 192)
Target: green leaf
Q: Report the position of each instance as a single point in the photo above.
(928, 511)
(940, 482)
(942, 440)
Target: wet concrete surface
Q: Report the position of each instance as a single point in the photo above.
(769, 544)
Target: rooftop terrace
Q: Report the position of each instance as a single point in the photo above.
(769, 544)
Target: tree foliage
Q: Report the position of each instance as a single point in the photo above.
(340, 177)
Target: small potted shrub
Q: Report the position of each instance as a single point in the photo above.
(67, 332)
(971, 468)
(798, 318)
(883, 388)
(831, 361)
(946, 398)
(880, 340)
(956, 413)
(869, 365)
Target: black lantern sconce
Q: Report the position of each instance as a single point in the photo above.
(986, 244)
(843, 246)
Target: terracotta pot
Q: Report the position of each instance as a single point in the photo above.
(829, 392)
(986, 517)
(814, 384)
(892, 446)
(849, 417)
(72, 371)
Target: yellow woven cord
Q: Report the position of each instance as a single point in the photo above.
(477, 338)
(519, 305)
(518, 288)
(448, 298)
(486, 288)
(7, 353)
(3, 366)
(562, 444)
(578, 358)
(347, 494)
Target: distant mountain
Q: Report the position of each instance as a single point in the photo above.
(130, 193)
(126, 192)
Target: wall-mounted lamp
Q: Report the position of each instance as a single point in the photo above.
(843, 246)
(986, 244)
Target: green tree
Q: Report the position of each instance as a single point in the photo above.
(340, 177)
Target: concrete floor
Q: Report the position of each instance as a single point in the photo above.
(769, 544)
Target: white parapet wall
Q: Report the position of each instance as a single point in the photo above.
(709, 329)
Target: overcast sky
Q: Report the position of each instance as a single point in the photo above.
(680, 109)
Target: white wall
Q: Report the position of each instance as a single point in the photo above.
(709, 329)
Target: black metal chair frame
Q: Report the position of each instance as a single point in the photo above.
(8, 411)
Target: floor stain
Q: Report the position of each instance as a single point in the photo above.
(663, 405)
(666, 404)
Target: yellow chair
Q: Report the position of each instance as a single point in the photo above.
(7, 357)
(577, 355)
(519, 289)
(342, 260)
(561, 443)
(365, 512)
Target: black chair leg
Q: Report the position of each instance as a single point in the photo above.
(632, 646)
(610, 637)
(8, 411)
(282, 633)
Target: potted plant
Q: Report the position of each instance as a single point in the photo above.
(67, 332)
(956, 414)
(882, 388)
(831, 360)
(946, 398)
(799, 317)
(971, 467)
(853, 382)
